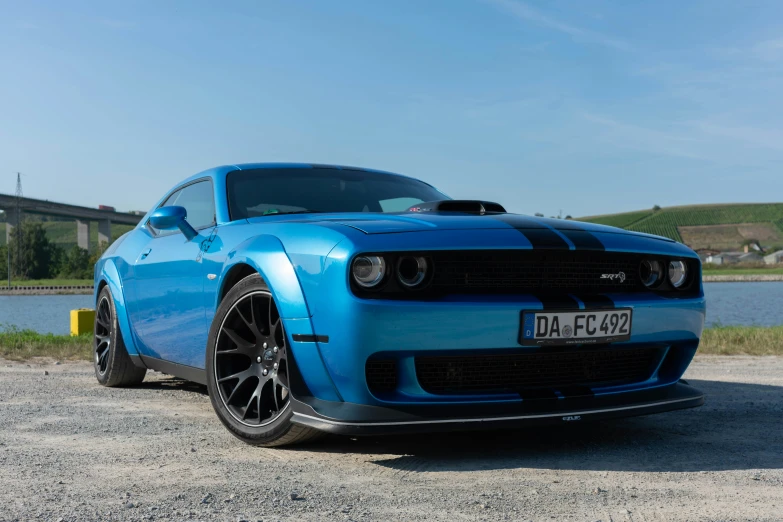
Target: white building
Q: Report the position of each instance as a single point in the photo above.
(775, 258)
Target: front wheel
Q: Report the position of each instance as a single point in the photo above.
(247, 368)
(113, 365)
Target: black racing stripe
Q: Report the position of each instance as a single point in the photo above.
(539, 235)
(583, 240)
(558, 302)
(596, 302)
(545, 238)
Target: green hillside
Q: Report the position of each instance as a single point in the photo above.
(706, 226)
(63, 233)
(623, 220)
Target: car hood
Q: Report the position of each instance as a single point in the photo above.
(434, 221)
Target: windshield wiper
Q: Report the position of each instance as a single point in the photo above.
(306, 211)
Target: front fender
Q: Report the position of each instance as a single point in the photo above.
(267, 255)
(108, 273)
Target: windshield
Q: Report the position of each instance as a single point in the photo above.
(263, 192)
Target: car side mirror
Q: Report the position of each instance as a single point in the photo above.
(166, 218)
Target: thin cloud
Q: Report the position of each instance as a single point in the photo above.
(766, 138)
(769, 50)
(627, 135)
(528, 13)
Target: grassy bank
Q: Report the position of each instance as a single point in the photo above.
(51, 282)
(725, 340)
(742, 271)
(19, 345)
(742, 340)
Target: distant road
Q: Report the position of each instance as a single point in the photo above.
(53, 208)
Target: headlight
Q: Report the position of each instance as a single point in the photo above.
(411, 271)
(678, 273)
(651, 273)
(368, 271)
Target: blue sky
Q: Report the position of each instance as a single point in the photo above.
(586, 106)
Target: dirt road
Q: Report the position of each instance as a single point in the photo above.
(71, 450)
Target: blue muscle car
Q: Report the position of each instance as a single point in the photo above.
(316, 298)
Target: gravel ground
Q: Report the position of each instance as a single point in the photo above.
(71, 450)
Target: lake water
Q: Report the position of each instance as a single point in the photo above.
(743, 304)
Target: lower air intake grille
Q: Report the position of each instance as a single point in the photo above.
(381, 375)
(504, 373)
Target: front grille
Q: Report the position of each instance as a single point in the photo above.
(516, 372)
(531, 271)
(381, 375)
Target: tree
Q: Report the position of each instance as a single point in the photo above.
(656, 208)
(75, 264)
(3, 264)
(539, 214)
(33, 252)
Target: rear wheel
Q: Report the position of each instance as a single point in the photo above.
(113, 365)
(247, 368)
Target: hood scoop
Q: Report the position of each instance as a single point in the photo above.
(466, 206)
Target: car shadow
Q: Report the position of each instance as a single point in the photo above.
(738, 428)
(174, 384)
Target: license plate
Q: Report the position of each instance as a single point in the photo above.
(580, 327)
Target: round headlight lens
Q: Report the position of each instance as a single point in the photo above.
(678, 273)
(411, 271)
(368, 271)
(651, 272)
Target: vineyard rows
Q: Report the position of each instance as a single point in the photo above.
(665, 222)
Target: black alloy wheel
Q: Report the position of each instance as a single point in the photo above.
(103, 329)
(250, 361)
(113, 365)
(248, 366)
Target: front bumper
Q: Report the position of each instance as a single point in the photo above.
(357, 419)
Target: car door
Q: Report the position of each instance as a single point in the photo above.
(169, 313)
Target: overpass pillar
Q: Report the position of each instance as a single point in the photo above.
(83, 234)
(11, 222)
(104, 231)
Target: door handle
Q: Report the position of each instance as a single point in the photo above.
(145, 254)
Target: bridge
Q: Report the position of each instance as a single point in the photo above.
(82, 215)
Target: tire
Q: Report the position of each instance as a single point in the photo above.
(247, 370)
(113, 366)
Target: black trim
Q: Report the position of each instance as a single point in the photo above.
(302, 338)
(137, 362)
(189, 373)
(358, 419)
(468, 206)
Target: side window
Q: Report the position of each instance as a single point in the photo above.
(198, 199)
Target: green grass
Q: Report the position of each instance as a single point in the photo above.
(20, 345)
(665, 221)
(741, 340)
(51, 282)
(723, 340)
(619, 220)
(743, 271)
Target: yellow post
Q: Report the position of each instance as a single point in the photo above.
(82, 321)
